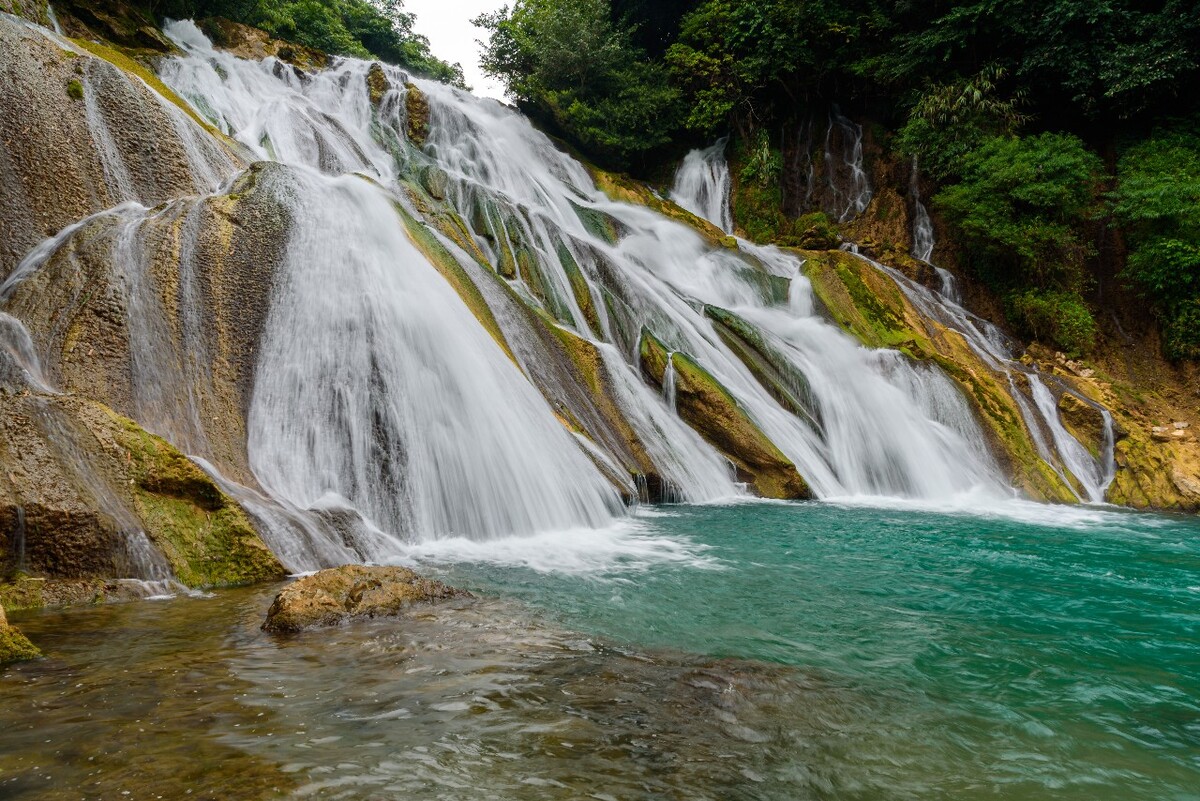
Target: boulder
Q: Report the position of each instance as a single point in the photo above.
(335, 596)
(14, 647)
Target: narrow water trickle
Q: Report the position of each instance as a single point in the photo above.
(702, 185)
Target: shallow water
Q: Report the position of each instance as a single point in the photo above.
(754, 651)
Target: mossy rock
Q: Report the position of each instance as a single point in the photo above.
(776, 374)
(124, 61)
(207, 539)
(715, 414)
(624, 189)
(869, 306)
(14, 646)
(416, 104)
(378, 84)
(339, 595)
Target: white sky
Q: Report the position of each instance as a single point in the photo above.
(447, 25)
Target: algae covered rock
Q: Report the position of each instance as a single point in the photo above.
(341, 594)
(14, 646)
(378, 84)
(716, 415)
(416, 104)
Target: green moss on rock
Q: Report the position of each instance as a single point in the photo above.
(207, 538)
(417, 107)
(378, 84)
(14, 646)
(74, 89)
(715, 414)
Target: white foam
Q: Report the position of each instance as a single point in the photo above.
(627, 546)
(984, 505)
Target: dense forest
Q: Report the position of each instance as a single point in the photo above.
(1060, 136)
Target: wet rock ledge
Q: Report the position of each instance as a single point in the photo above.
(336, 596)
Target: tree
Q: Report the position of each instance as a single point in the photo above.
(567, 61)
(1158, 201)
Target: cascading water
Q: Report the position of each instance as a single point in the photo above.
(1091, 474)
(923, 239)
(383, 411)
(702, 185)
(377, 385)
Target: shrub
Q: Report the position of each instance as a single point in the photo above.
(1057, 318)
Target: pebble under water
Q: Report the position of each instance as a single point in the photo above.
(751, 651)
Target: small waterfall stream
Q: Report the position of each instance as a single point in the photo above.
(702, 185)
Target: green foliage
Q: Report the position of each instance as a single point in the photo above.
(1020, 207)
(952, 119)
(1158, 201)
(1055, 317)
(360, 28)
(732, 53)
(569, 61)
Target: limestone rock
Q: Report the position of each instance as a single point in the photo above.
(51, 168)
(338, 595)
(14, 646)
(244, 41)
(80, 484)
(378, 84)
(417, 106)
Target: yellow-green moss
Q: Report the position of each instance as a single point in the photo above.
(15, 646)
(207, 538)
(378, 84)
(74, 89)
(870, 307)
(417, 107)
(626, 190)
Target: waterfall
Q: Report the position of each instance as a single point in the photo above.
(702, 185)
(411, 384)
(853, 194)
(1061, 451)
(922, 227)
(879, 434)
(378, 388)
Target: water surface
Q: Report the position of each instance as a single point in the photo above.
(754, 651)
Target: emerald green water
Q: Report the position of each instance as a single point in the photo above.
(756, 651)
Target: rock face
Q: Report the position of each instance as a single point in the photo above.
(86, 494)
(52, 169)
(14, 647)
(332, 597)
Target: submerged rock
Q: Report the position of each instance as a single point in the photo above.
(335, 596)
(14, 646)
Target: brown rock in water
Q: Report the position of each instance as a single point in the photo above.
(14, 647)
(335, 596)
